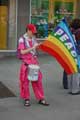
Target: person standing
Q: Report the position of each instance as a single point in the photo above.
(74, 79)
(65, 80)
(73, 82)
(27, 46)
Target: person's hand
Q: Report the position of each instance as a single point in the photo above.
(39, 43)
(35, 46)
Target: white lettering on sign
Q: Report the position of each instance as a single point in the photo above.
(65, 39)
(69, 45)
(59, 32)
(73, 53)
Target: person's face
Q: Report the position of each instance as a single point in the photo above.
(29, 32)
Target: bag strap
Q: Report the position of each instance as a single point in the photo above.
(23, 40)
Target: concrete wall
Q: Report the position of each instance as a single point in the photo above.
(23, 16)
(12, 25)
(19, 14)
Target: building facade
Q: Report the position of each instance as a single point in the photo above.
(15, 14)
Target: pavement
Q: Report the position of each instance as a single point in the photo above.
(62, 105)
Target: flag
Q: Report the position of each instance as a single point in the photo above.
(60, 44)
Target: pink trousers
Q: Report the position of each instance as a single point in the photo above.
(24, 85)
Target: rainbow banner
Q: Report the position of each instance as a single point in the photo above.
(60, 44)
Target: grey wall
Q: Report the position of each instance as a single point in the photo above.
(23, 16)
(12, 25)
